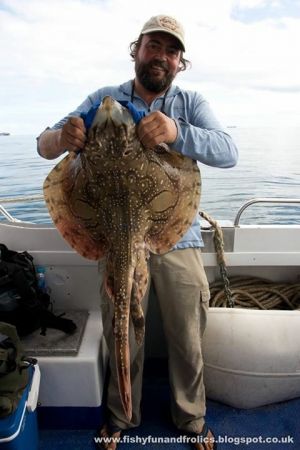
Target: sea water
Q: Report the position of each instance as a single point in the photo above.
(269, 166)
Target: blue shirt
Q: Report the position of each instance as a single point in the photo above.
(200, 136)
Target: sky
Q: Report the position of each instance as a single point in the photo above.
(53, 53)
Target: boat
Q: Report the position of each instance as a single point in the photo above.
(251, 356)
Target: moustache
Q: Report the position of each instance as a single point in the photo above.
(157, 63)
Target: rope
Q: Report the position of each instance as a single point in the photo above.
(248, 292)
(257, 293)
(219, 246)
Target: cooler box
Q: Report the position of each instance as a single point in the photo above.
(19, 430)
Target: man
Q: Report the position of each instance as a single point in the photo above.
(184, 121)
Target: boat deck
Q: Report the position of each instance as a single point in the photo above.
(276, 421)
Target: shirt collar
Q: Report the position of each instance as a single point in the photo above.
(127, 86)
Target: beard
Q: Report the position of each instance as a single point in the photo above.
(150, 82)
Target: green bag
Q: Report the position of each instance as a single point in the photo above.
(14, 373)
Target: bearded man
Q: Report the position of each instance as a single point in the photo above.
(183, 120)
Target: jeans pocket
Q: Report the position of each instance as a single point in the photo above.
(205, 296)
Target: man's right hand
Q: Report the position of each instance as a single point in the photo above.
(73, 135)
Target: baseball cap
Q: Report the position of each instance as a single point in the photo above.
(166, 24)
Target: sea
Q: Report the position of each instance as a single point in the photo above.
(268, 166)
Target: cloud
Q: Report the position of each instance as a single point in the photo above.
(283, 89)
(55, 52)
(257, 10)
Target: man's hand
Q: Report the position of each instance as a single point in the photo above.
(157, 128)
(73, 135)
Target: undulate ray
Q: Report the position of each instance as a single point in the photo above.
(120, 200)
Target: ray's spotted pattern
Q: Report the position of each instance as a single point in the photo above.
(120, 200)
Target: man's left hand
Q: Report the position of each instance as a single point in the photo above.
(155, 129)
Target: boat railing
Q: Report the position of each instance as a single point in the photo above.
(23, 198)
(40, 197)
(273, 200)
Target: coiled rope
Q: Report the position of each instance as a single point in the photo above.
(257, 293)
(248, 292)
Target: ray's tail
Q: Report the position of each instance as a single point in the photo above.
(126, 283)
(121, 294)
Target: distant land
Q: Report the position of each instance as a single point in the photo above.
(4, 134)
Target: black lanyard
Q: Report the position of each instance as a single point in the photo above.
(162, 109)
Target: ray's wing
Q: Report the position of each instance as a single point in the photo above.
(173, 209)
(71, 204)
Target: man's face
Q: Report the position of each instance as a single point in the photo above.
(157, 61)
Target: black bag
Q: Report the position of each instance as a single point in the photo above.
(22, 303)
(14, 374)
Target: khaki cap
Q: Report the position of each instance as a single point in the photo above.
(165, 24)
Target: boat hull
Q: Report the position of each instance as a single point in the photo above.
(252, 357)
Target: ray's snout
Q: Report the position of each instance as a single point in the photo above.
(108, 103)
(110, 111)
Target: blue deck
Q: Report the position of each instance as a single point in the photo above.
(277, 421)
